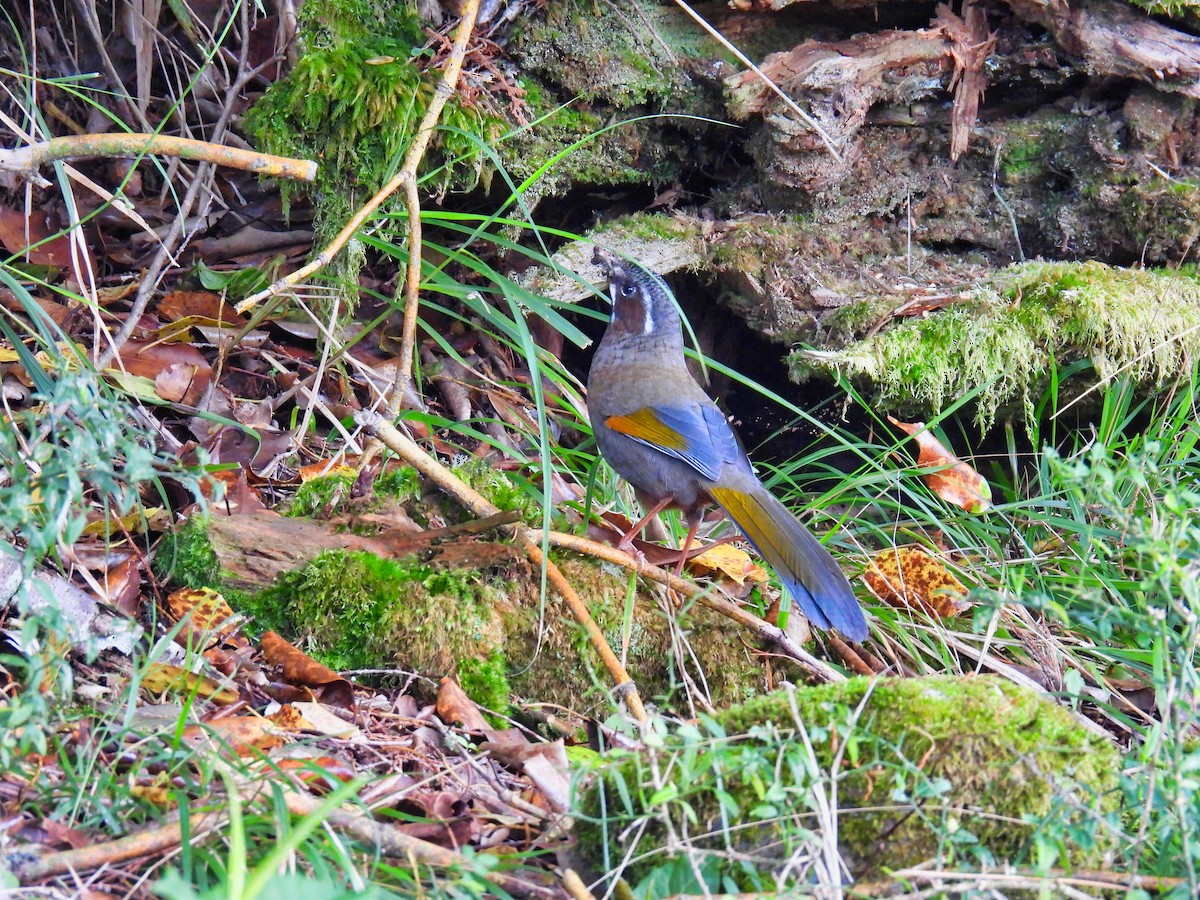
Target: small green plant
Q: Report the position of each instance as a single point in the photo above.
(81, 446)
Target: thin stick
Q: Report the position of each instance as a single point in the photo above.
(169, 836)
(25, 161)
(406, 178)
(141, 843)
(480, 506)
(394, 842)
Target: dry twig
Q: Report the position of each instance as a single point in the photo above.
(762, 628)
(25, 161)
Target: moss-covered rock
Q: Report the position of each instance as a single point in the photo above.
(926, 768)
(616, 99)
(486, 625)
(1028, 320)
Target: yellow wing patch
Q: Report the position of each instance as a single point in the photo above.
(646, 426)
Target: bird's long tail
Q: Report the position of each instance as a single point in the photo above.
(806, 568)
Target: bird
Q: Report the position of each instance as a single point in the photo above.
(663, 434)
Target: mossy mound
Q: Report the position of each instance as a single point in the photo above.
(487, 627)
(1029, 320)
(357, 610)
(942, 767)
(693, 649)
(614, 99)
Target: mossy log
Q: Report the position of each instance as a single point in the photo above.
(904, 766)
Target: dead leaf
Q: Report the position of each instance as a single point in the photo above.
(300, 668)
(320, 774)
(187, 383)
(200, 308)
(209, 618)
(315, 717)
(324, 468)
(955, 482)
(729, 561)
(159, 791)
(37, 238)
(122, 582)
(135, 522)
(244, 735)
(910, 578)
(163, 677)
(455, 707)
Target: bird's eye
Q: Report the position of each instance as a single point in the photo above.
(628, 290)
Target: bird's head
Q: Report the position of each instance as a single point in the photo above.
(643, 305)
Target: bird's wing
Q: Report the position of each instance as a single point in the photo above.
(697, 434)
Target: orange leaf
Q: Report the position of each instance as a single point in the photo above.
(728, 561)
(199, 308)
(209, 618)
(244, 735)
(190, 376)
(955, 481)
(162, 677)
(453, 705)
(910, 578)
(300, 668)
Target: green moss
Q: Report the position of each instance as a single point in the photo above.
(928, 768)
(320, 495)
(1162, 215)
(595, 56)
(504, 490)
(486, 681)
(1181, 10)
(567, 670)
(186, 557)
(399, 483)
(355, 610)
(588, 69)
(353, 101)
(325, 495)
(1004, 342)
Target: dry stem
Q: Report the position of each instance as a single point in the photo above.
(764, 629)
(25, 161)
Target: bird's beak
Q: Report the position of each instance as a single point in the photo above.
(607, 261)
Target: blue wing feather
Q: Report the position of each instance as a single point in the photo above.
(708, 444)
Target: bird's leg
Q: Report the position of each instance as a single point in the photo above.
(694, 518)
(626, 543)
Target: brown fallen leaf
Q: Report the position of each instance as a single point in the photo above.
(243, 735)
(200, 308)
(158, 790)
(35, 235)
(455, 707)
(729, 561)
(191, 374)
(324, 468)
(910, 578)
(300, 668)
(122, 582)
(320, 774)
(209, 618)
(956, 482)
